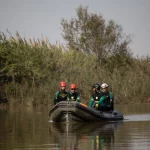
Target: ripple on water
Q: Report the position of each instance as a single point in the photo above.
(137, 117)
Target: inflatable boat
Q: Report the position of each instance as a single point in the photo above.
(75, 111)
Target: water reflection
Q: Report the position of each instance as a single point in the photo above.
(29, 128)
(90, 136)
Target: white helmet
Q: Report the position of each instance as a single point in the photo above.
(104, 85)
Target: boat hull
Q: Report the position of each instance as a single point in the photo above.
(74, 111)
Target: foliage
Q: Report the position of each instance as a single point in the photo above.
(90, 33)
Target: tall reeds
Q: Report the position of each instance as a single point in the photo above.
(30, 71)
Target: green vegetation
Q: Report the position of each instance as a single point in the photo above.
(30, 70)
(90, 33)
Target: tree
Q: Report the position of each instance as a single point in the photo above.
(90, 33)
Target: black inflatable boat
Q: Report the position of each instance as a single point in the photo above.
(74, 111)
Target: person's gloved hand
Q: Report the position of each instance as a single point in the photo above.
(96, 105)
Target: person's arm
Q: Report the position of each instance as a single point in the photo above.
(112, 104)
(68, 96)
(112, 101)
(100, 102)
(56, 98)
(91, 102)
(78, 98)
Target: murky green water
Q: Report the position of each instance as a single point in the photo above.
(31, 129)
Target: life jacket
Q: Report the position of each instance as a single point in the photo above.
(73, 96)
(96, 96)
(108, 99)
(61, 96)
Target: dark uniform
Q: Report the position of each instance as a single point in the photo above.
(106, 102)
(74, 96)
(95, 98)
(60, 96)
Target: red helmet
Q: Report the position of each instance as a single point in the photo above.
(73, 86)
(62, 83)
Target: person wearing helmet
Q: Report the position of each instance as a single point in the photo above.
(73, 95)
(95, 96)
(106, 102)
(61, 95)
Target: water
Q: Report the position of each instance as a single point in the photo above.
(31, 129)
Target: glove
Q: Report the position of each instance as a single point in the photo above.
(96, 105)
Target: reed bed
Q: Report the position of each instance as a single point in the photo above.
(30, 72)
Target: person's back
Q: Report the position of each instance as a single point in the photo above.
(95, 96)
(61, 95)
(73, 95)
(106, 102)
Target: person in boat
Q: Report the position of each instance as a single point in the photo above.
(61, 95)
(73, 95)
(106, 101)
(95, 96)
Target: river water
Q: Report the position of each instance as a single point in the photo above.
(31, 129)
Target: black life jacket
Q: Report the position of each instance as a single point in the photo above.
(96, 96)
(73, 96)
(61, 96)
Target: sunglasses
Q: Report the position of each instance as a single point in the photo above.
(72, 89)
